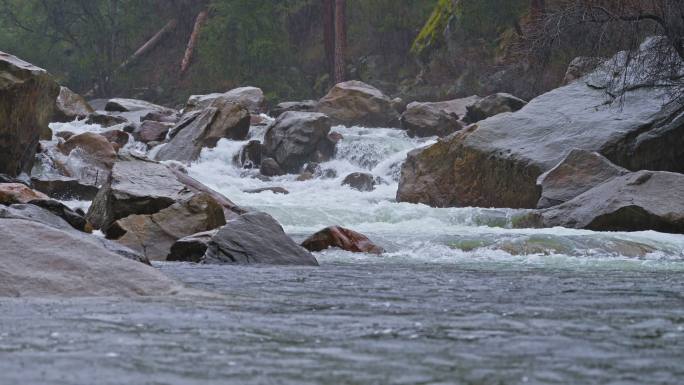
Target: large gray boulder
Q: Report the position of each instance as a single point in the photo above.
(153, 235)
(302, 106)
(357, 103)
(255, 238)
(643, 200)
(497, 161)
(43, 261)
(297, 138)
(222, 119)
(493, 105)
(138, 187)
(578, 172)
(27, 101)
(252, 98)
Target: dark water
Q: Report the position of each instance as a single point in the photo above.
(362, 323)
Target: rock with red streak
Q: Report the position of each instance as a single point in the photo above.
(342, 238)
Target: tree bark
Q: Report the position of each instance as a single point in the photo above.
(329, 34)
(150, 44)
(340, 40)
(190, 49)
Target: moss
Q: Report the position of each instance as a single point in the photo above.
(432, 32)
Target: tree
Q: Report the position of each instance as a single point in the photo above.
(340, 40)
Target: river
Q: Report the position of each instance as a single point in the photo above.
(460, 297)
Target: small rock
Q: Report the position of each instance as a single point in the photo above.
(305, 176)
(250, 155)
(275, 190)
(118, 137)
(342, 238)
(152, 131)
(11, 193)
(269, 167)
(360, 181)
(76, 220)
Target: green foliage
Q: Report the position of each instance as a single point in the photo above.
(433, 31)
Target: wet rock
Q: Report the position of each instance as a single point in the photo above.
(90, 157)
(431, 119)
(255, 238)
(27, 101)
(11, 193)
(43, 261)
(76, 220)
(496, 162)
(135, 105)
(21, 178)
(269, 167)
(184, 121)
(106, 120)
(493, 105)
(65, 135)
(154, 235)
(643, 200)
(297, 138)
(303, 106)
(342, 238)
(275, 190)
(578, 172)
(191, 248)
(360, 181)
(70, 106)
(304, 176)
(145, 188)
(399, 105)
(64, 188)
(357, 103)
(250, 155)
(152, 131)
(251, 98)
(118, 138)
(161, 116)
(222, 119)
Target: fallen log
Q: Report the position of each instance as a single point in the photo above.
(190, 49)
(150, 44)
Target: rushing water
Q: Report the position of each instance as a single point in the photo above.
(459, 297)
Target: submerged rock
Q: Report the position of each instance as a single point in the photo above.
(191, 248)
(275, 190)
(578, 172)
(357, 103)
(222, 119)
(27, 101)
(360, 181)
(44, 261)
(269, 167)
(255, 238)
(497, 161)
(644, 200)
(297, 138)
(342, 238)
(493, 105)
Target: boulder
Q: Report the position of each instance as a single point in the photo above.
(255, 238)
(250, 154)
(43, 261)
(144, 188)
(429, 119)
(643, 200)
(360, 181)
(275, 190)
(27, 101)
(152, 131)
(21, 178)
(581, 66)
(135, 105)
(154, 235)
(191, 248)
(342, 238)
(184, 121)
(64, 188)
(269, 167)
(578, 172)
(11, 193)
(497, 161)
(76, 220)
(302, 106)
(161, 116)
(297, 138)
(70, 106)
(90, 157)
(251, 98)
(493, 105)
(357, 103)
(33, 213)
(117, 138)
(222, 119)
(105, 119)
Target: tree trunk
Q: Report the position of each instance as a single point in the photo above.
(329, 34)
(340, 40)
(150, 44)
(537, 9)
(190, 49)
